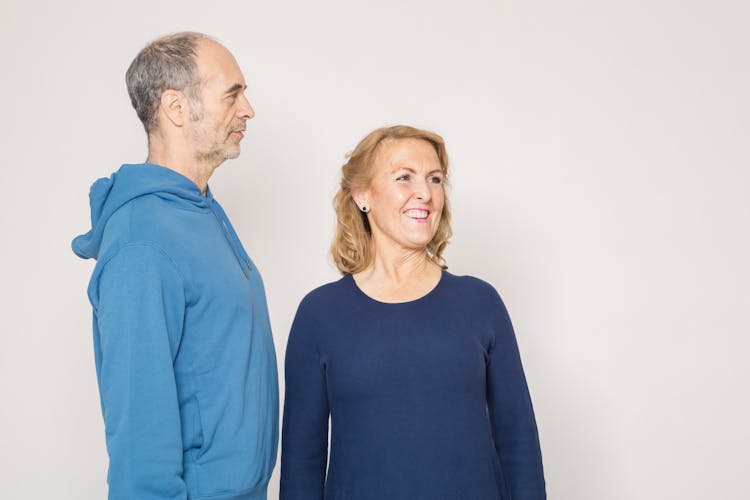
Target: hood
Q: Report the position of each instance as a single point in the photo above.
(108, 194)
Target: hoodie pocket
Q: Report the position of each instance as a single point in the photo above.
(192, 441)
(192, 428)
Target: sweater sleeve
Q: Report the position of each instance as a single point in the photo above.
(511, 414)
(304, 443)
(140, 311)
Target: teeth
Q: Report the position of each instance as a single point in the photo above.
(417, 214)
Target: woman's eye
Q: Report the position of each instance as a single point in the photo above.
(436, 180)
(403, 177)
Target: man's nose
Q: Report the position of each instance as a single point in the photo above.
(245, 110)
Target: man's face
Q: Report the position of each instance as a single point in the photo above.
(218, 118)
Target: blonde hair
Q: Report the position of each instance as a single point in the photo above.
(352, 248)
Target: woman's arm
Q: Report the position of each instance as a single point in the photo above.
(511, 414)
(304, 444)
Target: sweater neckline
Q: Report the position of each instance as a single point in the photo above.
(424, 297)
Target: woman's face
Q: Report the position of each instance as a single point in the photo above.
(405, 196)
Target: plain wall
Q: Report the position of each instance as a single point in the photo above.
(600, 181)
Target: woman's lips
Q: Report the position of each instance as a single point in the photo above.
(417, 214)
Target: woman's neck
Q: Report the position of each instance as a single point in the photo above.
(400, 278)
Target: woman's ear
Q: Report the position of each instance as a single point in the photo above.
(360, 197)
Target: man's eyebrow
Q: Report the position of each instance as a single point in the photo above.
(235, 88)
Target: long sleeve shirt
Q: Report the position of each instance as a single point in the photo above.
(427, 399)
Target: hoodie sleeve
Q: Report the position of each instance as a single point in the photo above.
(140, 312)
(511, 414)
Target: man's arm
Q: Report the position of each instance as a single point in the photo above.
(140, 311)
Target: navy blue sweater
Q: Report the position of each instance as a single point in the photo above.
(427, 399)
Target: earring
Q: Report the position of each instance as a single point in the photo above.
(364, 209)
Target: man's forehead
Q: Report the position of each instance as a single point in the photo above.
(216, 64)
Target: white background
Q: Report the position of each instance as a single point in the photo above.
(600, 182)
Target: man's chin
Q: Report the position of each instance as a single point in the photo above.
(219, 156)
(230, 153)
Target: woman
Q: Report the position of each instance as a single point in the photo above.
(417, 368)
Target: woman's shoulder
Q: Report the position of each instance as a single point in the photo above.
(478, 296)
(324, 305)
(324, 296)
(470, 286)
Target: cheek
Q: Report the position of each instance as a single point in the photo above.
(391, 198)
(438, 197)
(401, 196)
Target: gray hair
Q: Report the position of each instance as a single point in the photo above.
(166, 63)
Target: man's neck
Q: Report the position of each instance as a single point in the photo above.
(175, 159)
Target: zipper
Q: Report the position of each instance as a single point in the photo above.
(244, 266)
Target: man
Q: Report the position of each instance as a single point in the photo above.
(183, 348)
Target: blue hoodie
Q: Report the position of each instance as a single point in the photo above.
(183, 348)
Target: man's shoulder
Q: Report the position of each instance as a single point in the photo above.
(146, 219)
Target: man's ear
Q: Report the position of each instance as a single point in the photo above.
(174, 107)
